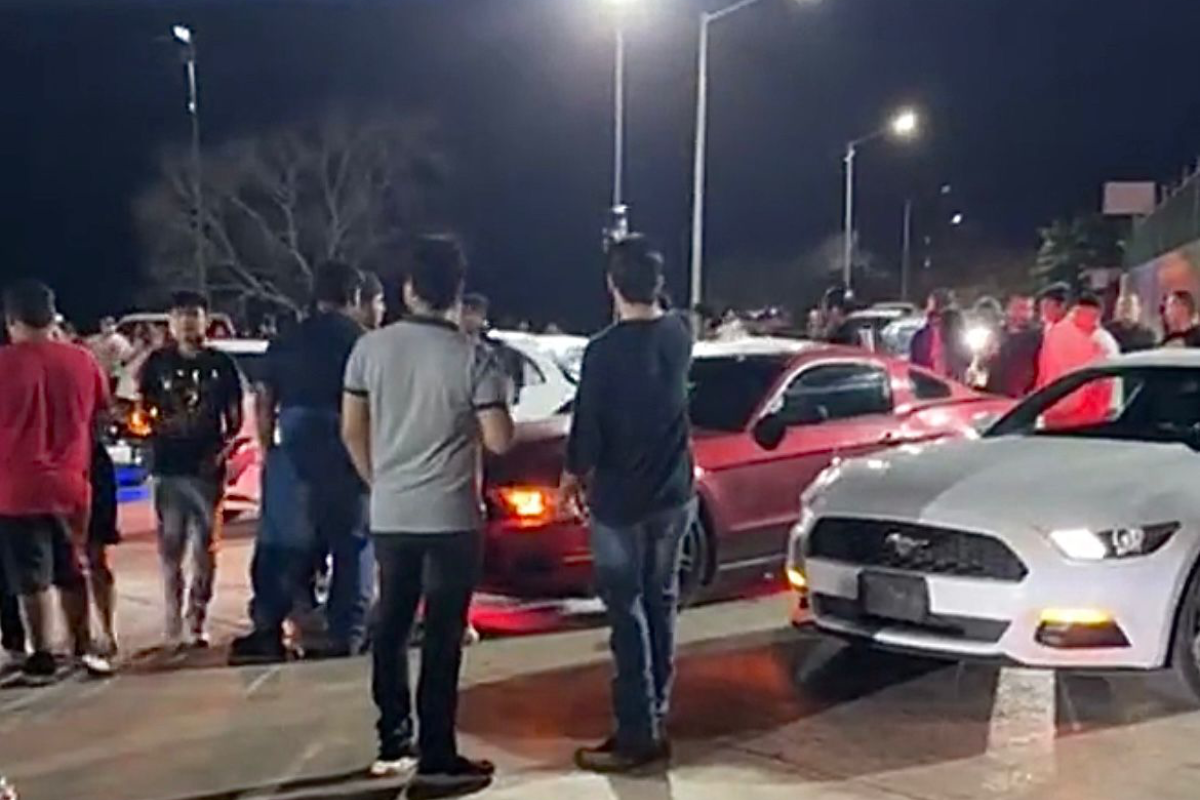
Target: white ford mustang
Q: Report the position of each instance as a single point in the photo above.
(1067, 536)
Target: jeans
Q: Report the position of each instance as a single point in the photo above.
(637, 575)
(187, 507)
(444, 568)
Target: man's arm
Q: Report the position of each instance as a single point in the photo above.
(490, 396)
(496, 429)
(266, 415)
(583, 446)
(356, 433)
(233, 413)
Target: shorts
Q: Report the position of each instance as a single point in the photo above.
(37, 553)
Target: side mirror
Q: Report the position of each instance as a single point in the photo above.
(769, 431)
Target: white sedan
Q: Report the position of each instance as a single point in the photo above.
(1066, 537)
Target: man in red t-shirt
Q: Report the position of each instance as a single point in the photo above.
(53, 394)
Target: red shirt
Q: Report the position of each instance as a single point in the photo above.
(50, 395)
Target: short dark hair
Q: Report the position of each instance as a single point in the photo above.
(188, 298)
(1058, 292)
(438, 271)
(636, 269)
(1185, 297)
(30, 303)
(336, 283)
(1089, 299)
(474, 301)
(370, 287)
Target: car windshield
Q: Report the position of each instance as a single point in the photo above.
(1149, 404)
(723, 392)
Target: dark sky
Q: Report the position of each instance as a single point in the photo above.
(1031, 105)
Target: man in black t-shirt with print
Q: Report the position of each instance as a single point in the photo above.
(193, 394)
(630, 444)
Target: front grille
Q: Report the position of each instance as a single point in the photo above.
(970, 629)
(914, 548)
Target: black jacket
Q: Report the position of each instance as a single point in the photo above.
(1014, 369)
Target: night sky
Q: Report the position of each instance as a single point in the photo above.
(1031, 105)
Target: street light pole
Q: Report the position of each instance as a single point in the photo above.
(848, 244)
(698, 168)
(700, 153)
(904, 125)
(184, 36)
(906, 252)
(619, 120)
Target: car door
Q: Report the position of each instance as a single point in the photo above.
(832, 409)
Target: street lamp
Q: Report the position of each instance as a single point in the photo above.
(183, 35)
(619, 218)
(905, 125)
(701, 147)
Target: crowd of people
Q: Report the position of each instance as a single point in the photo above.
(373, 437)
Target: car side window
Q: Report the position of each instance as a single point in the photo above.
(531, 373)
(836, 391)
(927, 387)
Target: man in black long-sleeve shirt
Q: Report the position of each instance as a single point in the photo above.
(630, 442)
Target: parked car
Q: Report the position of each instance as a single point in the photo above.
(548, 372)
(547, 387)
(220, 325)
(865, 327)
(1068, 536)
(768, 415)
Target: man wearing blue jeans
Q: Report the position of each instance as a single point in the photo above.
(313, 500)
(630, 444)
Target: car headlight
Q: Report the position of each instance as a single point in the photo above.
(1086, 545)
(977, 339)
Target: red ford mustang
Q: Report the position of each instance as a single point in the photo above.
(767, 417)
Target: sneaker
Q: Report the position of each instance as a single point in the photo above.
(470, 636)
(257, 647)
(395, 762)
(460, 777)
(96, 666)
(200, 641)
(611, 757)
(11, 661)
(39, 669)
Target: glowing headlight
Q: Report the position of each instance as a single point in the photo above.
(1085, 545)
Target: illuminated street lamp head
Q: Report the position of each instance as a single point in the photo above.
(906, 124)
(957, 219)
(182, 34)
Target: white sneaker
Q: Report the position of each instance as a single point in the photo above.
(404, 767)
(97, 666)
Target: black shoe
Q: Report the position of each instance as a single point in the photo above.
(257, 647)
(460, 777)
(39, 669)
(611, 757)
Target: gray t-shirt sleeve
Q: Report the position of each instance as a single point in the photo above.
(356, 370)
(489, 383)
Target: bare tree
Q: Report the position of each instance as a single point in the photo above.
(277, 205)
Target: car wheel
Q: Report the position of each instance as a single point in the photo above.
(1185, 644)
(694, 562)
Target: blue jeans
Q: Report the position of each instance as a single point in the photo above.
(313, 501)
(637, 576)
(187, 507)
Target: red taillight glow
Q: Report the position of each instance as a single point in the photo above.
(530, 506)
(141, 422)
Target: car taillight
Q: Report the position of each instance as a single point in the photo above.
(140, 422)
(530, 506)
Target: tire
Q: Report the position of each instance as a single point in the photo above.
(695, 565)
(1184, 667)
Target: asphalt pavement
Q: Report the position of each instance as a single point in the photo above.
(762, 711)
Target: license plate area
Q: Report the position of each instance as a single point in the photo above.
(886, 595)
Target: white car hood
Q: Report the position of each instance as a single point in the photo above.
(1038, 482)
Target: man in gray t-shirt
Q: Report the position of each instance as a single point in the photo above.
(420, 399)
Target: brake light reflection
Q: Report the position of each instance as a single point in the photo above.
(532, 506)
